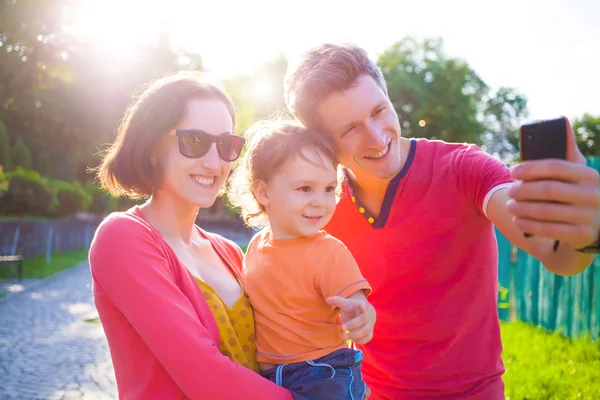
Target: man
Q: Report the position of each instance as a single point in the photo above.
(419, 217)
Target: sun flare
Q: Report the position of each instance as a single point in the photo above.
(262, 90)
(119, 27)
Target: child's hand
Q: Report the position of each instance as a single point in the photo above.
(358, 316)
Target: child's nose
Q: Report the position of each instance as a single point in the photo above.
(318, 200)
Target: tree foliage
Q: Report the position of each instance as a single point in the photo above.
(587, 130)
(61, 101)
(440, 97)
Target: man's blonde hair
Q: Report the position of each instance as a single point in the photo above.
(324, 70)
(270, 144)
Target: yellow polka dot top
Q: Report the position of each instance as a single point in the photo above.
(236, 327)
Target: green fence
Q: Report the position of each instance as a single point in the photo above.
(528, 292)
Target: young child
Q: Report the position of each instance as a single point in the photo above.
(295, 274)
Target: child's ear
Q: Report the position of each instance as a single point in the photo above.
(261, 192)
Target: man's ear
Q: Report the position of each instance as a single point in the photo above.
(261, 192)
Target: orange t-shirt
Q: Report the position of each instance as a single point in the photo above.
(287, 282)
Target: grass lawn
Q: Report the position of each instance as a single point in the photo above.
(26, 218)
(36, 267)
(542, 366)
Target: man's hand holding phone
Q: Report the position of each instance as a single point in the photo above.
(555, 198)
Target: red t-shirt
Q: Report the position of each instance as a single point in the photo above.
(431, 258)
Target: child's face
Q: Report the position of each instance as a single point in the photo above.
(300, 198)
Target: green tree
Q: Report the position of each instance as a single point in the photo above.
(587, 130)
(435, 96)
(504, 112)
(60, 92)
(440, 97)
(21, 155)
(4, 147)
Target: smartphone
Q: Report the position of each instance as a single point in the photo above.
(544, 139)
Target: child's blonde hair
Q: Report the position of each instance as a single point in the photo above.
(269, 145)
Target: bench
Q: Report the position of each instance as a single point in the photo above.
(12, 259)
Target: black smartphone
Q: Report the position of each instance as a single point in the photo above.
(544, 139)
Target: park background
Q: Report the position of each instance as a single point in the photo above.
(463, 71)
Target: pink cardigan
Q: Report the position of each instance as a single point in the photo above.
(161, 333)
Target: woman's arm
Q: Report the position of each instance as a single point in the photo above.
(129, 265)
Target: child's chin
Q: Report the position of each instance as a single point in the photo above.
(310, 232)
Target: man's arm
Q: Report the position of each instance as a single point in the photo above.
(553, 200)
(565, 261)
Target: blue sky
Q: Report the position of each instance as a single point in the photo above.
(548, 50)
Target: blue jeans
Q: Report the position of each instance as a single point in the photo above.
(335, 376)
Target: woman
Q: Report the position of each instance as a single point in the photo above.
(168, 339)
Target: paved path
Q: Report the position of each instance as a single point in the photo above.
(47, 350)
(10, 287)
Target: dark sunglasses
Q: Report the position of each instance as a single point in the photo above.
(195, 143)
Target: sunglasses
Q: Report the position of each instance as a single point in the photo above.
(195, 143)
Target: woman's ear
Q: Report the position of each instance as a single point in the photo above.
(261, 192)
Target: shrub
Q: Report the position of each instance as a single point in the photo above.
(27, 194)
(21, 157)
(3, 183)
(102, 202)
(71, 198)
(4, 147)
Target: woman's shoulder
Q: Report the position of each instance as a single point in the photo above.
(123, 220)
(123, 245)
(119, 227)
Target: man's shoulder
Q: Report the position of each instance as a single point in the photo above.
(440, 147)
(450, 158)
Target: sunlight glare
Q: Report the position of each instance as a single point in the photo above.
(262, 90)
(118, 27)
